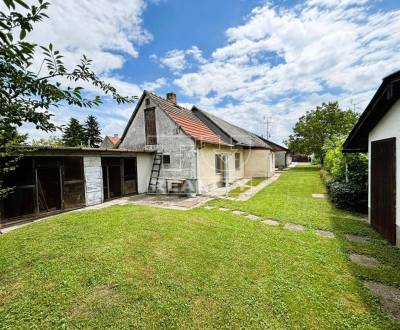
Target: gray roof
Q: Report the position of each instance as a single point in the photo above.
(238, 134)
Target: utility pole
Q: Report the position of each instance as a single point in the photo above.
(268, 123)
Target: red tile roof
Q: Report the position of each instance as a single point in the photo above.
(188, 122)
(113, 139)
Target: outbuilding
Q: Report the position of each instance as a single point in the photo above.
(378, 133)
(50, 180)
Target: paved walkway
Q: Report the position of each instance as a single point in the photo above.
(163, 201)
(224, 191)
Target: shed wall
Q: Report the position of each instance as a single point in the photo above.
(93, 179)
(388, 127)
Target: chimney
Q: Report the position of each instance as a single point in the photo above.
(115, 135)
(171, 97)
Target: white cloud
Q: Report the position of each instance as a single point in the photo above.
(108, 32)
(282, 62)
(177, 60)
(154, 85)
(97, 28)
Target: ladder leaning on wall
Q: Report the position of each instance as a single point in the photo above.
(155, 173)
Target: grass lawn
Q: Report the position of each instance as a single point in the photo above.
(255, 181)
(141, 267)
(237, 191)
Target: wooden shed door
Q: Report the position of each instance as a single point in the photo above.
(383, 188)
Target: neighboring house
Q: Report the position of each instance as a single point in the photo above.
(283, 157)
(110, 142)
(378, 133)
(197, 151)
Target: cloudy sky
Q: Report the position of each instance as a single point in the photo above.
(244, 60)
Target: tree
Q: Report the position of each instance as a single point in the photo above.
(27, 94)
(74, 134)
(324, 122)
(347, 176)
(92, 132)
(51, 141)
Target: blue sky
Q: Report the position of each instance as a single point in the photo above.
(244, 60)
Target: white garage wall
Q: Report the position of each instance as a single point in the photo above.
(144, 166)
(93, 180)
(388, 127)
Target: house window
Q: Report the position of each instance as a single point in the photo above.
(150, 126)
(166, 160)
(218, 164)
(147, 101)
(237, 161)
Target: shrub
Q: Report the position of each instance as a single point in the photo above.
(347, 177)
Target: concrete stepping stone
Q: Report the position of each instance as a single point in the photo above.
(356, 238)
(252, 217)
(320, 196)
(389, 297)
(293, 226)
(223, 209)
(363, 260)
(325, 233)
(209, 207)
(237, 212)
(271, 222)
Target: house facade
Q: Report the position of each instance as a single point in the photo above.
(196, 150)
(378, 133)
(109, 142)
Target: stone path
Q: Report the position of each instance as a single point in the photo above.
(389, 297)
(293, 226)
(356, 238)
(271, 222)
(363, 260)
(324, 233)
(320, 196)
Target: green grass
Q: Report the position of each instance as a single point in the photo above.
(141, 267)
(237, 191)
(255, 181)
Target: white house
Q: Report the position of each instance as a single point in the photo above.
(196, 152)
(378, 133)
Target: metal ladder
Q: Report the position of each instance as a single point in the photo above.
(155, 173)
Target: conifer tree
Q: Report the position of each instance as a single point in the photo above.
(74, 134)
(92, 132)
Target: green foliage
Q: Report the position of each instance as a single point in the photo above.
(51, 141)
(74, 134)
(324, 122)
(348, 176)
(92, 132)
(26, 96)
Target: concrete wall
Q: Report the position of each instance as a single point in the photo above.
(93, 180)
(144, 166)
(388, 127)
(171, 140)
(208, 178)
(259, 163)
(280, 159)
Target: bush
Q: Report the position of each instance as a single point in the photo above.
(346, 177)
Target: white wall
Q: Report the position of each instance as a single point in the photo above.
(171, 140)
(388, 127)
(144, 166)
(93, 180)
